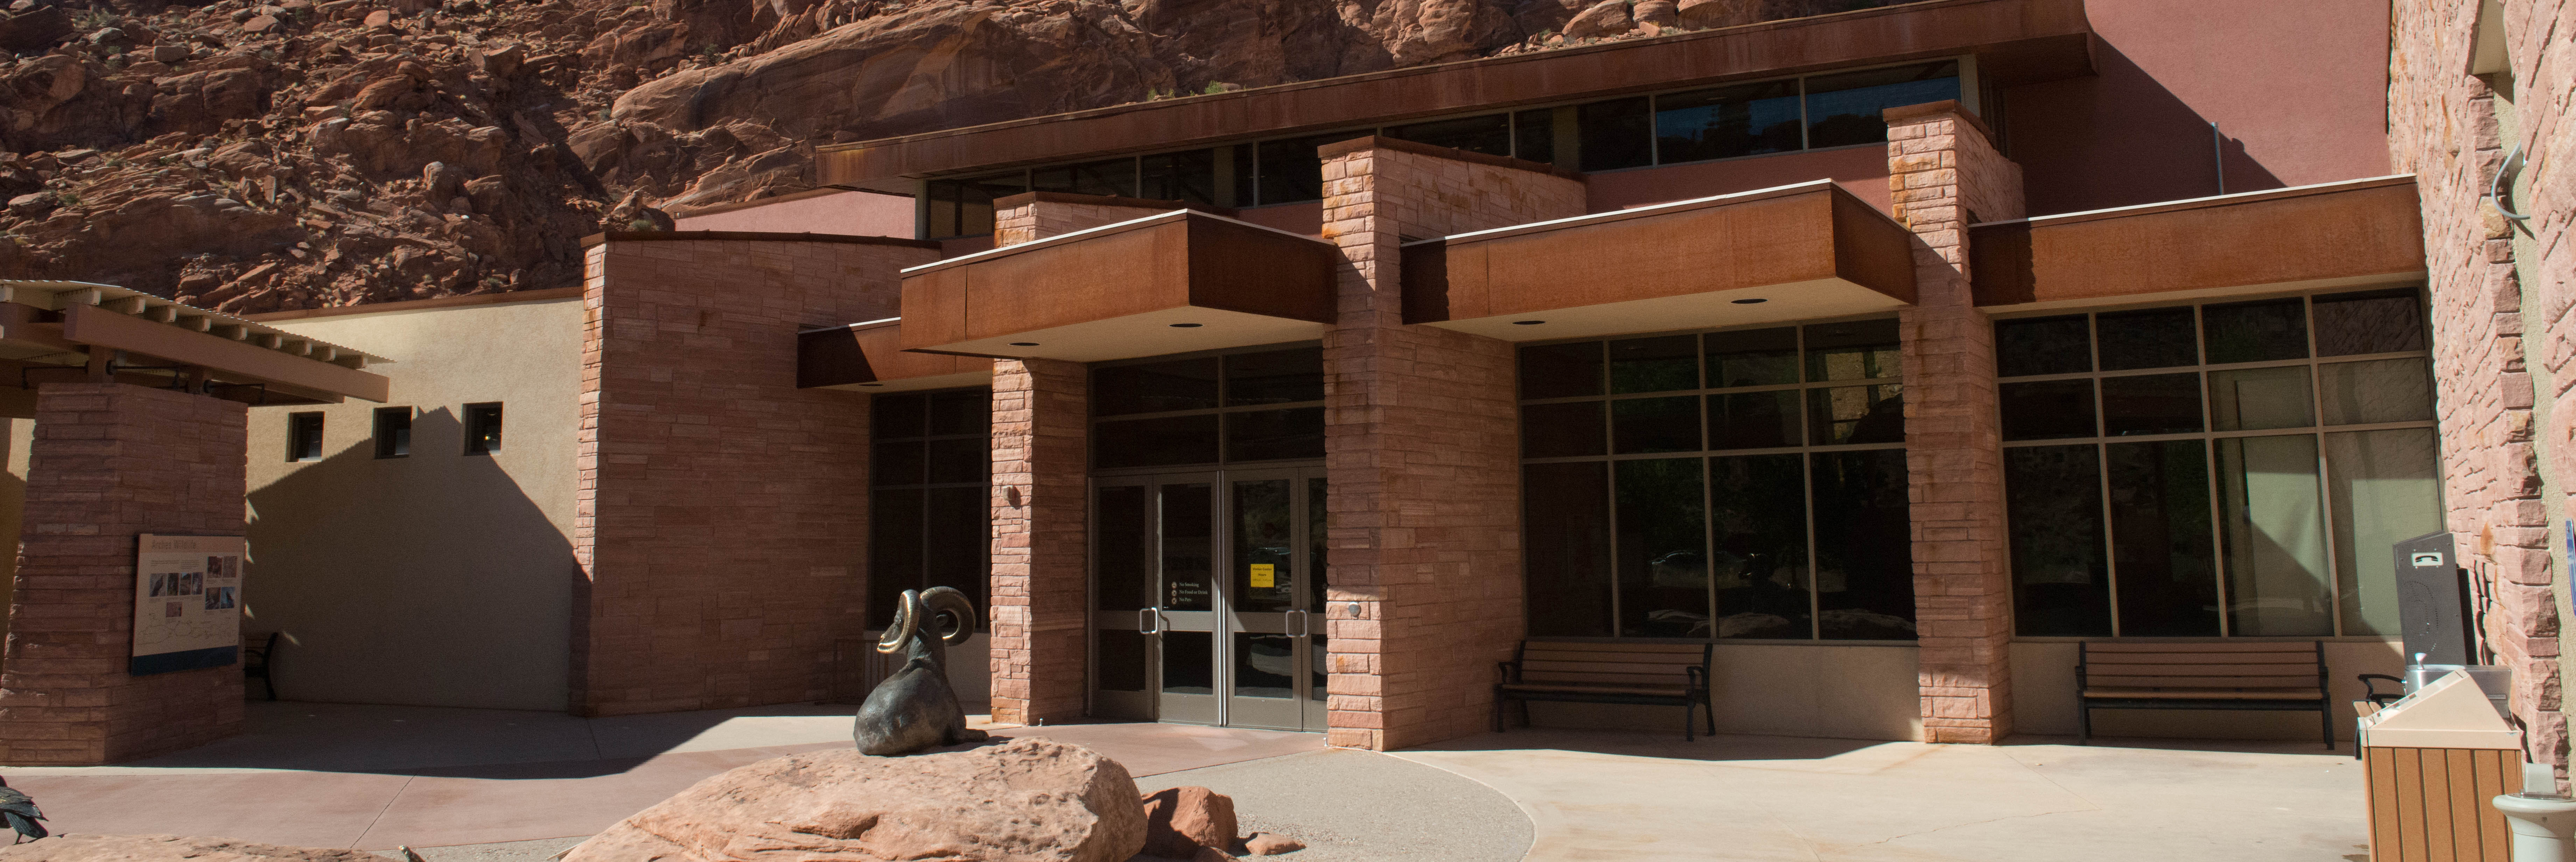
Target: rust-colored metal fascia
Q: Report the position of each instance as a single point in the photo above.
(870, 353)
(1872, 250)
(2016, 41)
(2348, 230)
(1256, 270)
(92, 325)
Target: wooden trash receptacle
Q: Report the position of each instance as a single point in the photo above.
(2435, 760)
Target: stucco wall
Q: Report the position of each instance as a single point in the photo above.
(439, 579)
(2297, 91)
(1829, 690)
(853, 213)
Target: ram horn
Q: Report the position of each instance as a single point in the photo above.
(908, 615)
(949, 600)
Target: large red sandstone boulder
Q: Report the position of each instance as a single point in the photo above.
(1181, 820)
(1030, 799)
(156, 848)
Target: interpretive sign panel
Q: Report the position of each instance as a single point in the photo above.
(187, 602)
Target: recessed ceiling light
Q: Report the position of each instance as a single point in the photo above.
(1748, 301)
(1527, 322)
(1187, 325)
(1024, 344)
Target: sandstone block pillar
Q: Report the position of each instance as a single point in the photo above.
(1041, 539)
(111, 462)
(1944, 174)
(1422, 450)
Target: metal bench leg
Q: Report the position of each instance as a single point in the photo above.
(2083, 722)
(1498, 712)
(1709, 709)
(1690, 719)
(2326, 717)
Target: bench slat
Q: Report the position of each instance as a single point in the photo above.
(2201, 669)
(2296, 647)
(1675, 690)
(1604, 667)
(1615, 646)
(2153, 694)
(1599, 655)
(2201, 658)
(1655, 678)
(2308, 681)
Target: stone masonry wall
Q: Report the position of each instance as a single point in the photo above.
(1422, 453)
(1943, 175)
(2502, 333)
(111, 462)
(1045, 218)
(1041, 539)
(722, 518)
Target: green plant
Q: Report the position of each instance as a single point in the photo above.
(269, 54)
(94, 18)
(642, 224)
(1157, 95)
(67, 199)
(1215, 87)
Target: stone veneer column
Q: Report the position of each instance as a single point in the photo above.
(111, 462)
(1943, 175)
(1041, 539)
(1422, 450)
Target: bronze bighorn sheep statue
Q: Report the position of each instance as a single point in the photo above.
(914, 709)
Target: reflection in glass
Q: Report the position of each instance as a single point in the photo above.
(1757, 509)
(2154, 338)
(1743, 120)
(1490, 134)
(1856, 414)
(1264, 547)
(894, 551)
(1291, 171)
(963, 460)
(2168, 578)
(1565, 519)
(1864, 555)
(1319, 661)
(2151, 404)
(1753, 420)
(1851, 108)
(2373, 321)
(1654, 364)
(1663, 549)
(1854, 350)
(897, 463)
(1189, 663)
(1275, 377)
(1181, 384)
(1189, 547)
(1752, 357)
(1123, 558)
(2061, 576)
(1111, 177)
(2047, 409)
(1533, 138)
(1272, 435)
(898, 415)
(1654, 425)
(2253, 399)
(1562, 430)
(2386, 487)
(2277, 581)
(1315, 571)
(2043, 345)
(1122, 659)
(1561, 370)
(2256, 331)
(1615, 134)
(1265, 665)
(1188, 176)
(964, 412)
(2382, 390)
(1154, 442)
(958, 540)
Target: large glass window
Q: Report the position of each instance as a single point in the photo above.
(2235, 468)
(929, 501)
(1265, 404)
(1745, 483)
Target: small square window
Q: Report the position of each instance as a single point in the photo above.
(304, 437)
(393, 432)
(482, 429)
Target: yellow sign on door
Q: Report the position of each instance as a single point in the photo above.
(1265, 576)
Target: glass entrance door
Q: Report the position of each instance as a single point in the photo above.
(1205, 587)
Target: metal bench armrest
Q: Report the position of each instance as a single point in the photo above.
(1507, 671)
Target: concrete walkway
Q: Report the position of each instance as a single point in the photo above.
(1596, 795)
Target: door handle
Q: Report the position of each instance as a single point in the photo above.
(1305, 623)
(1156, 614)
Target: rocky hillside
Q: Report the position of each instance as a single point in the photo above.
(255, 157)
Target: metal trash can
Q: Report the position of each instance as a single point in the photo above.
(2436, 760)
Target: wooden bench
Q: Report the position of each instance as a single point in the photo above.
(1638, 672)
(2262, 675)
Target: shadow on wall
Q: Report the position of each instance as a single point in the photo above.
(14, 437)
(428, 580)
(2118, 139)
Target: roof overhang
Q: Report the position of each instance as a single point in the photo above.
(1166, 283)
(869, 357)
(60, 323)
(2014, 42)
(2350, 233)
(1787, 253)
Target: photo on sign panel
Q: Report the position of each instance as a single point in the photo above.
(220, 598)
(191, 583)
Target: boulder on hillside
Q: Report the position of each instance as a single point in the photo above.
(169, 848)
(1030, 799)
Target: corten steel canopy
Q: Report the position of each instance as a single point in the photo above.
(869, 357)
(60, 325)
(1787, 253)
(2307, 237)
(1169, 283)
(2014, 42)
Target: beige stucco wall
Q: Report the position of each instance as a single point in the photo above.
(1830, 690)
(440, 579)
(2044, 697)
